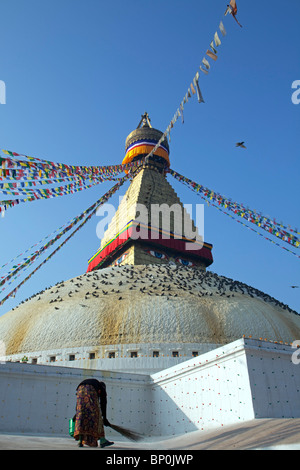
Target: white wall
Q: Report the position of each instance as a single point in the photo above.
(144, 363)
(274, 379)
(234, 383)
(41, 399)
(209, 391)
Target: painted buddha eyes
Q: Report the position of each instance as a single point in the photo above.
(184, 262)
(160, 255)
(157, 254)
(119, 261)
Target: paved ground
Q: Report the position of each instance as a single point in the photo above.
(264, 434)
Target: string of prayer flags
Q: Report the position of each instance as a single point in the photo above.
(35, 179)
(33, 168)
(36, 194)
(86, 215)
(14, 291)
(253, 230)
(194, 87)
(43, 166)
(278, 230)
(13, 260)
(212, 52)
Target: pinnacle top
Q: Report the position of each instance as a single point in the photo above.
(145, 121)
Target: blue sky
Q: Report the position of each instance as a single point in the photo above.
(78, 76)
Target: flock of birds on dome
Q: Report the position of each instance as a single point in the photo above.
(151, 280)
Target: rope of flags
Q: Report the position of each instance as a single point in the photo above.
(277, 229)
(13, 260)
(255, 231)
(35, 178)
(84, 217)
(204, 68)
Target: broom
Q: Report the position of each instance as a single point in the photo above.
(132, 435)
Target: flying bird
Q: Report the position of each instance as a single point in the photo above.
(240, 144)
(294, 287)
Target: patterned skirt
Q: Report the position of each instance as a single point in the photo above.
(88, 423)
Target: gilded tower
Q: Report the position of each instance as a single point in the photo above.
(151, 222)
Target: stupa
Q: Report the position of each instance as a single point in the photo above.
(147, 300)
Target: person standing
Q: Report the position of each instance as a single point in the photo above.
(90, 417)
